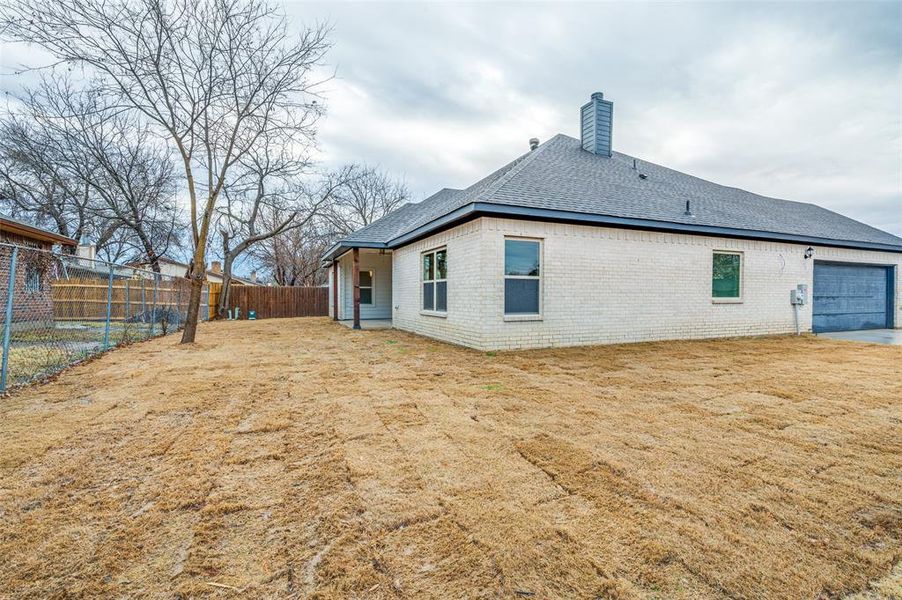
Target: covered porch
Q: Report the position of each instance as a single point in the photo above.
(360, 288)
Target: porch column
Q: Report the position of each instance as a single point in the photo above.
(334, 290)
(356, 254)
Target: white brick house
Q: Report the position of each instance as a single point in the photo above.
(573, 244)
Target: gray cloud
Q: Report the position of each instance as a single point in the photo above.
(799, 101)
(794, 100)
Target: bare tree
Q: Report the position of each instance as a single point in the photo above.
(366, 195)
(127, 174)
(294, 257)
(357, 196)
(41, 184)
(269, 198)
(212, 76)
(264, 199)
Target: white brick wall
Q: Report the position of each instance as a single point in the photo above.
(603, 285)
(466, 294)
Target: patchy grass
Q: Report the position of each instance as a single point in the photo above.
(292, 458)
(39, 352)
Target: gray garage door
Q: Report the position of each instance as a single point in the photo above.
(848, 297)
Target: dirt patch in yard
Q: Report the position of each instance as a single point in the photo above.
(298, 458)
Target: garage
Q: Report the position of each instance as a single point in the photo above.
(849, 297)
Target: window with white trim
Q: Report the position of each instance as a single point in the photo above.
(366, 287)
(522, 276)
(726, 275)
(435, 280)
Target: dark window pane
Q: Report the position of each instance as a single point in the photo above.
(441, 264)
(428, 296)
(521, 296)
(366, 278)
(726, 274)
(427, 267)
(521, 258)
(441, 296)
(366, 295)
(32, 279)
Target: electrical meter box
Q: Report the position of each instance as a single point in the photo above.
(799, 295)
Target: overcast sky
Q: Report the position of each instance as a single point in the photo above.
(795, 100)
(798, 101)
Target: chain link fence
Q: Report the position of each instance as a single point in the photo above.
(59, 309)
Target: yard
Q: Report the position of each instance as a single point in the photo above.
(298, 458)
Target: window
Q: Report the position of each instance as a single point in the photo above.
(435, 280)
(522, 277)
(726, 275)
(32, 280)
(366, 287)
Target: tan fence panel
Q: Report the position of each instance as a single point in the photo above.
(85, 299)
(215, 291)
(282, 301)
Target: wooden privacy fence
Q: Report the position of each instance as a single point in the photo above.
(215, 290)
(85, 299)
(282, 301)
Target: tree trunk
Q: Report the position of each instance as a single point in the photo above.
(198, 275)
(224, 292)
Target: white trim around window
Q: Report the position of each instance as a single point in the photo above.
(740, 284)
(434, 282)
(518, 251)
(371, 287)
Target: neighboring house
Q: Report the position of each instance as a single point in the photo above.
(174, 268)
(32, 303)
(573, 243)
(13, 231)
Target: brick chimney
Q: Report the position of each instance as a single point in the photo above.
(597, 125)
(254, 276)
(216, 267)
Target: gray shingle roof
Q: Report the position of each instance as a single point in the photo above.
(560, 176)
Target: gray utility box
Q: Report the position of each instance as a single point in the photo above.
(799, 295)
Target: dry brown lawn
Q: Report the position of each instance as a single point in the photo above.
(297, 458)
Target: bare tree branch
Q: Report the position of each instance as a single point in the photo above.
(211, 76)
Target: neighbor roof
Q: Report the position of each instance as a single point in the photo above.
(10, 225)
(559, 181)
(167, 260)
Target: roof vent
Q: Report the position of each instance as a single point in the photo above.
(597, 124)
(533, 143)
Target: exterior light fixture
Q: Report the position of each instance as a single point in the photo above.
(809, 252)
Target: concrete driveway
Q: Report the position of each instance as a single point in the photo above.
(872, 336)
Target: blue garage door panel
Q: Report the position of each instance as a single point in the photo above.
(849, 297)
